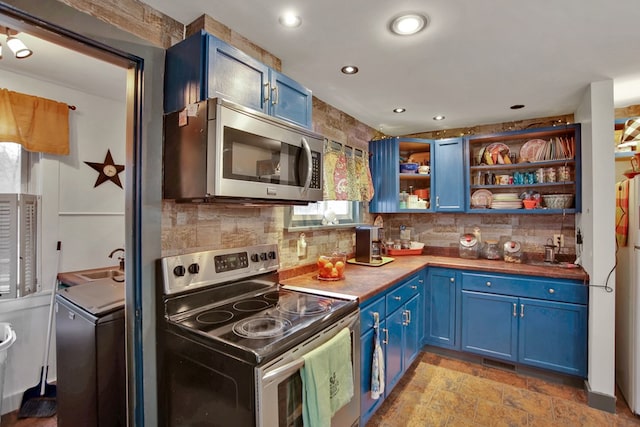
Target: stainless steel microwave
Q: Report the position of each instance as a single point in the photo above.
(218, 151)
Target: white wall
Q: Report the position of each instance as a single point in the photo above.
(596, 113)
(90, 222)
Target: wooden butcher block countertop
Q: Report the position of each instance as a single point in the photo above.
(364, 282)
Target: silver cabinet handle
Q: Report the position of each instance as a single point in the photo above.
(397, 298)
(515, 309)
(552, 291)
(275, 98)
(489, 284)
(521, 310)
(420, 281)
(451, 279)
(414, 287)
(437, 201)
(405, 320)
(408, 317)
(386, 336)
(267, 92)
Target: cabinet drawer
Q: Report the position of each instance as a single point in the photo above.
(366, 314)
(523, 286)
(400, 295)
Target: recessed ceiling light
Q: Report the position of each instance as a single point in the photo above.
(408, 24)
(290, 20)
(517, 106)
(399, 110)
(438, 117)
(349, 69)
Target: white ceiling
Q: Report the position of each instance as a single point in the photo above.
(474, 60)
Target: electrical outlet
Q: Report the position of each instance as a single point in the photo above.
(558, 240)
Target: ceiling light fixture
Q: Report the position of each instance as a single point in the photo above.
(408, 24)
(290, 20)
(517, 106)
(399, 110)
(349, 69)
(19, 49)
(438, 117)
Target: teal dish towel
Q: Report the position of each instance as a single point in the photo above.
(327, 380)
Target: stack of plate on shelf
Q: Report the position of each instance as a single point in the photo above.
(506, 201)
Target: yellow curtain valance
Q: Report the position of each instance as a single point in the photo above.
(38, 124)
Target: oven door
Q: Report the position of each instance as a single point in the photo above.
(259, 157)
(279, 385)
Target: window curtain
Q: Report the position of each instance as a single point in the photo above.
(38, 124)
(346, 174)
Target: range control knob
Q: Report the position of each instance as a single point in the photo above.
(272, 255)
(263, 256)
(254, 257)
(179, 270)
(194, 268)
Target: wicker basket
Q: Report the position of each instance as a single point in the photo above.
(558, 201)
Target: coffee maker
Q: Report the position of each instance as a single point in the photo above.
(368, 244)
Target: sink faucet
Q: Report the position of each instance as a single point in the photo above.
(120, 258)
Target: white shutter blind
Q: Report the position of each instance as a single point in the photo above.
(18, 245)
(8, 245)
(28, 244)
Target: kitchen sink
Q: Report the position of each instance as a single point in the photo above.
(101, 274)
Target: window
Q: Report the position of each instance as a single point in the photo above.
(18, 222)
(326, 213)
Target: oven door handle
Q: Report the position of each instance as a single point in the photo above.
(284, 370)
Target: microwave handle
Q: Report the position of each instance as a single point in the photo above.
(307, 151)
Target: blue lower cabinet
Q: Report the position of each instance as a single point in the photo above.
(546, 334)
(393, 348)
(553, 335)
(489, 326)
(412, 339)
(400, 322)
(441, 308)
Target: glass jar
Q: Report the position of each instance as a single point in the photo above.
(332, 266)
(469, 246)
(512, 252)
(491, 249)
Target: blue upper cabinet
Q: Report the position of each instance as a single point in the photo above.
(289, 100)
(539, 163)
(438, 188)
(235, 76)
(203, 66)
(449, 175)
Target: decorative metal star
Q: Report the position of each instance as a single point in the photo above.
(108, 170)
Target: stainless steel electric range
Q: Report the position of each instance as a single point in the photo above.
(231, 340)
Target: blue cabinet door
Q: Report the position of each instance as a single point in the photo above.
(490, 325)
(184, 74)
(384, 166)
(289, 100)
(367, 404)
(553, 335)
(440, 308)
(235, 76)
(412, 342)
(393, 349)
(448, 170)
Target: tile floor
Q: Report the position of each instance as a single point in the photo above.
(441, 391)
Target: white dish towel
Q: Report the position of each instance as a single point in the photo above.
(377, 364)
